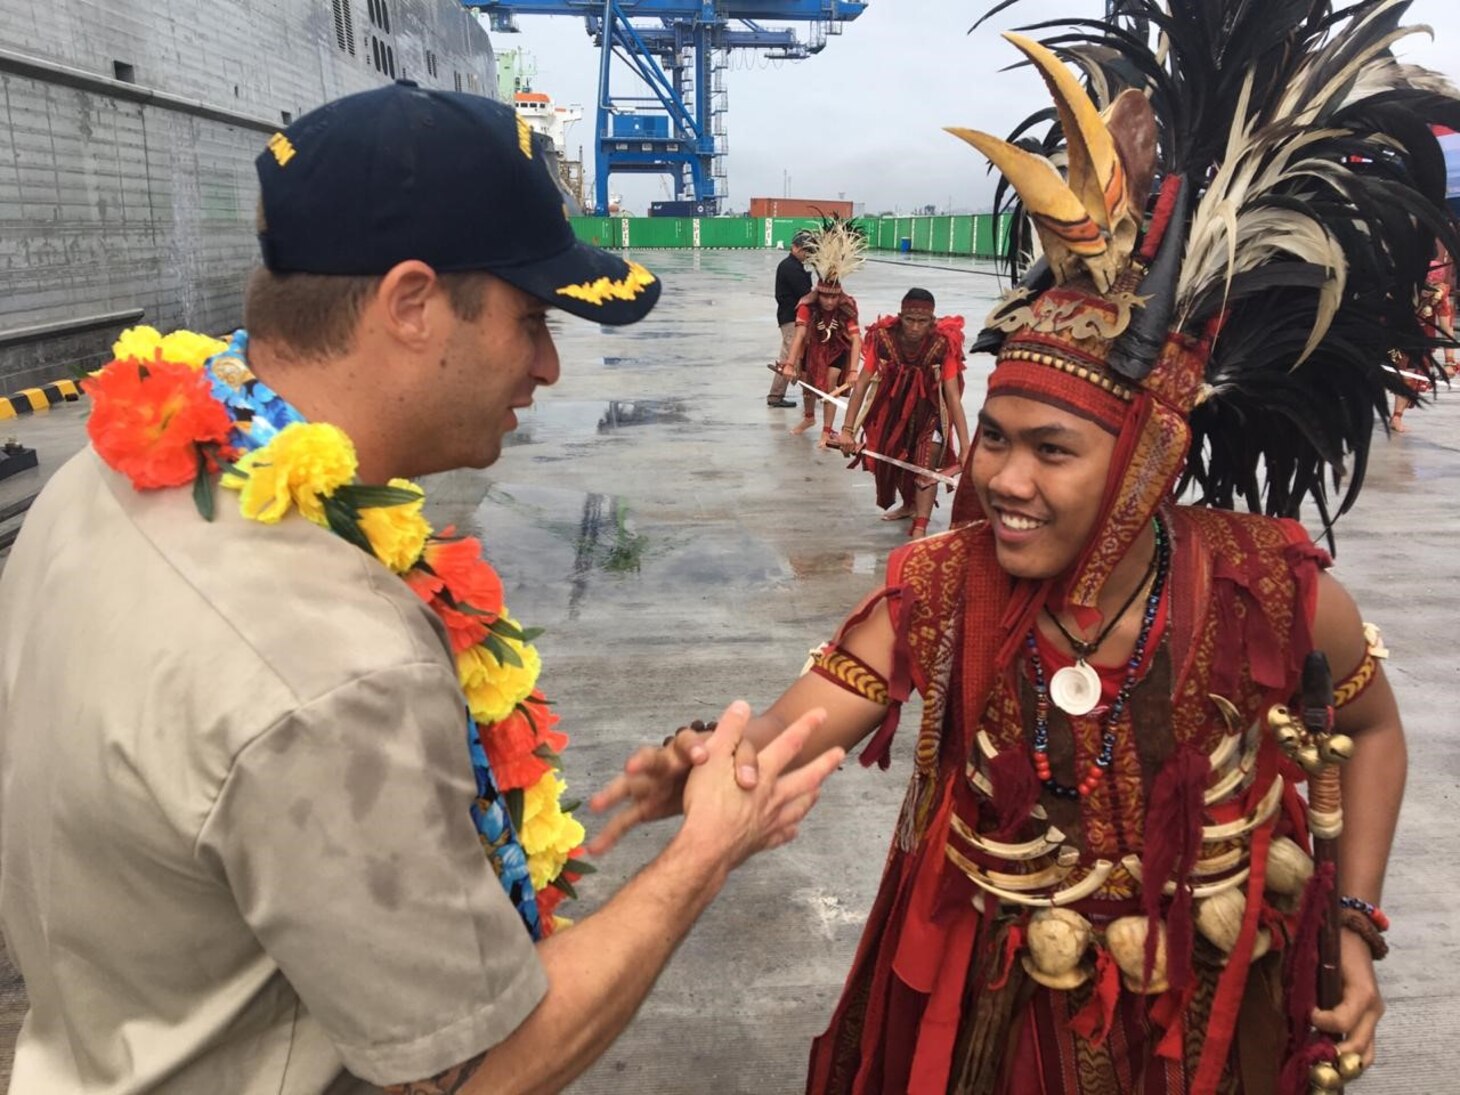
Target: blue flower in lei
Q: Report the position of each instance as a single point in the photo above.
(259, 413)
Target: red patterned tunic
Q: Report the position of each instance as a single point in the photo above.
(906, 416)
(829, 336)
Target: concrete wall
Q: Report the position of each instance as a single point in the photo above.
(114, 199)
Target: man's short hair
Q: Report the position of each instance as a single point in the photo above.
(314, 316)
(919, 296)
(802, 238)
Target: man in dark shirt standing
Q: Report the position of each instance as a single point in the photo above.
(793, 282)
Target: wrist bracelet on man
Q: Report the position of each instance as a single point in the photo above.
(699, 726)
(1373, 912)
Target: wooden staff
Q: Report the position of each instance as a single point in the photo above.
(1314, 745)
(1325, 811)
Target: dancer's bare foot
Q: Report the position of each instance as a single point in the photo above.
(1397, 424)
(919, 529)
(804, 425)
(828, 438)
(900, 514)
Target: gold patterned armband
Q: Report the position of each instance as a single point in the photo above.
(849, 672)
(1357, 683)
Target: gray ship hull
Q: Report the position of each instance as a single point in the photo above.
(127, 139)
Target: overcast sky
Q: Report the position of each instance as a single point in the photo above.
(863, 118)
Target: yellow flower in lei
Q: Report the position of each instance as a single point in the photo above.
(493, 690)
(304, 464)
(397, 533)
(143, 343)
(139, 343)
(190, 348)
(549, 836)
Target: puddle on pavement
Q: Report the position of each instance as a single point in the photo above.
(565, 421)
(604, 554)
(641, 412)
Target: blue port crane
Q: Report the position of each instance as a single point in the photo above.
(679, 50)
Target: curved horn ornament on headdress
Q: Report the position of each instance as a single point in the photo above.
(1097, 176)
(1088, 224)
(1072, 239)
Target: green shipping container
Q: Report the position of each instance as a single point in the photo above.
(983, 236)
(598, 231)
(730, 232)
(941, 235)
(961, 232)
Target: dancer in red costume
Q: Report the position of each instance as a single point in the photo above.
(1436, 310)
(912, 386)
(1100, 881)
(828, 340)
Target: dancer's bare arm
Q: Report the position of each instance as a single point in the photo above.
(953, 400)
(791, 367)
(1373, 788)
(651, 783)
(846, 440)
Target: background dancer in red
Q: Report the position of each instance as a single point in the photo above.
(912, 385)
(1436, 311)
(828, 339)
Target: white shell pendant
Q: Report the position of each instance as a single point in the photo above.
(1075, 689)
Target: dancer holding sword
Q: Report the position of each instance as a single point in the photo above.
(911, 385)
(828, 340)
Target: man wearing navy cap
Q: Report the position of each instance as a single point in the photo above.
(237, 850)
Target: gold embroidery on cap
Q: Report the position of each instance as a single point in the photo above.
(605, 289)
(282, 149)
(524, 138)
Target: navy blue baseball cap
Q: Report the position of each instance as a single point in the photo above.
(453, 180)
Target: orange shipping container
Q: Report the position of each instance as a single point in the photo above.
(799, 207)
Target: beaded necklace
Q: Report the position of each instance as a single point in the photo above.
(1095, 774)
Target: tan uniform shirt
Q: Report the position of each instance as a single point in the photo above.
(236, 853)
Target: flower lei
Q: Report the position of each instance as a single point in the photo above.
(185, 409)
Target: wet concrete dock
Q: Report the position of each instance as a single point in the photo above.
(682, 550)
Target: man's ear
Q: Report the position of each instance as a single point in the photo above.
(402, 302)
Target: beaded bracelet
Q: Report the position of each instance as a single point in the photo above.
(1358, 923)
(1373, 912)
(698, 726)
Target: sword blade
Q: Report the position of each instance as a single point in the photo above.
(823, 396)
(919, 469)
(1408, 375)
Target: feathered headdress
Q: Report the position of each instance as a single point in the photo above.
(1296, 196)
(838, 250)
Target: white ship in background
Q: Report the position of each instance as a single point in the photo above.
(515, 70)
(127, 140)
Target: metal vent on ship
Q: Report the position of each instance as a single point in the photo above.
(344, 26)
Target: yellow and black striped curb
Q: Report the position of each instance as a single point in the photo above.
(29, 400)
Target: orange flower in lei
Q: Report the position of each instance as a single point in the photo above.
(157, 424)
(453, 575)
(551, 896)
(524, 747)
